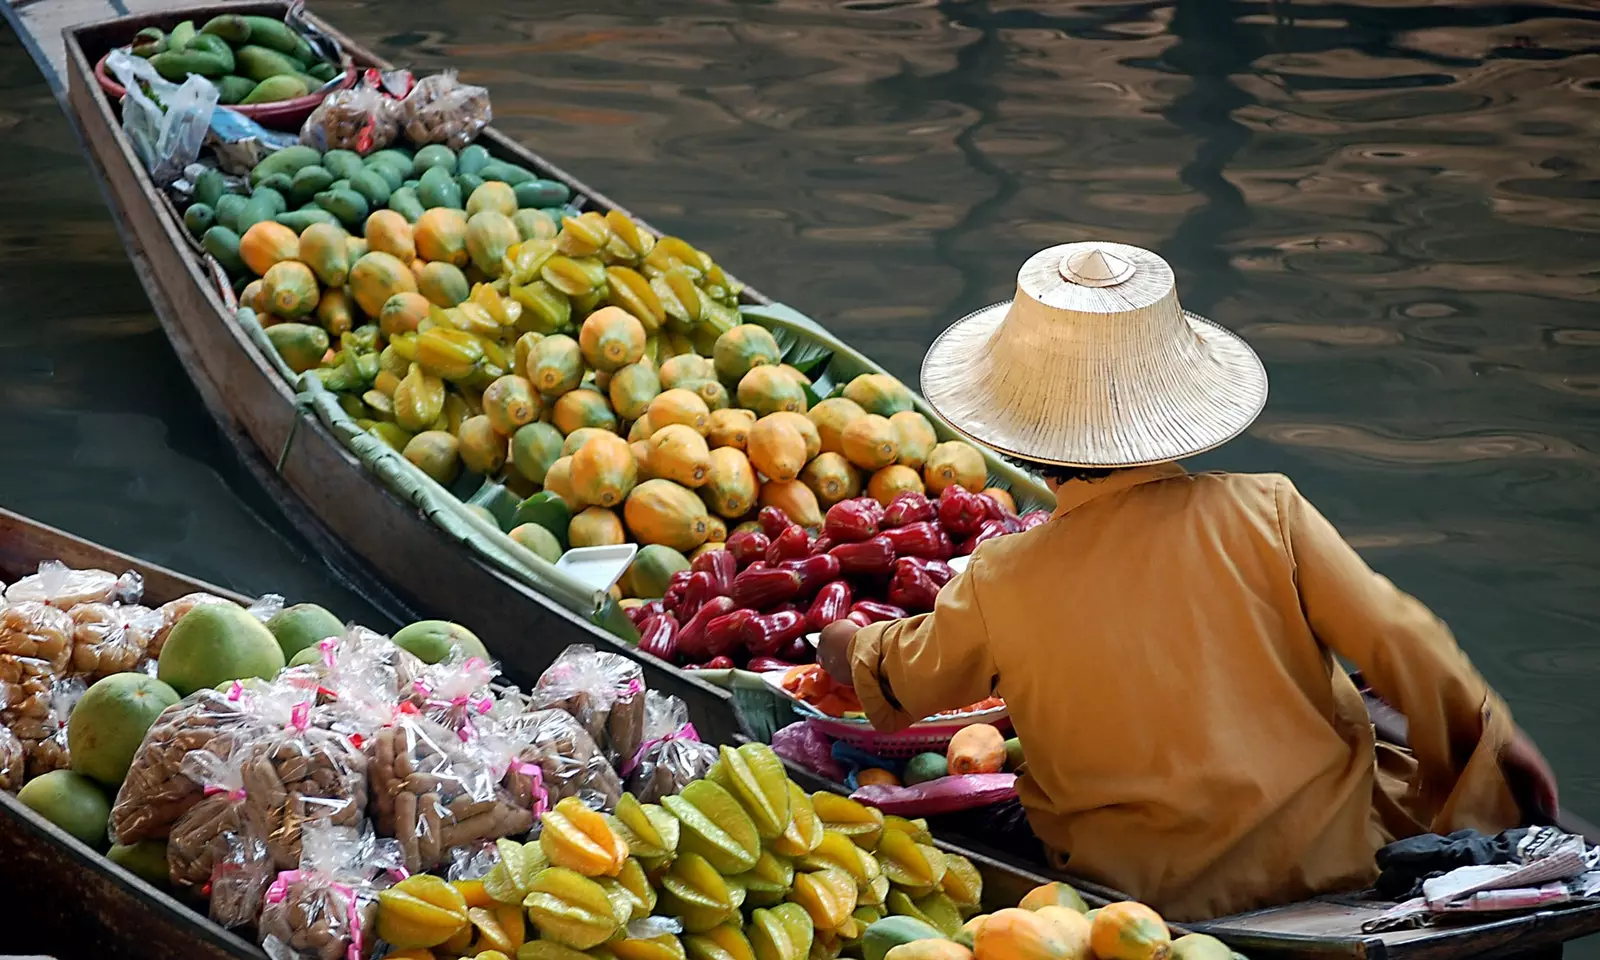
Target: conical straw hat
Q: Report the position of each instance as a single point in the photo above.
(1094, 364)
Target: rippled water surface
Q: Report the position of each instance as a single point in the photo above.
(1398, 205)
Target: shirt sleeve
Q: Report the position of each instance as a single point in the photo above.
(1405, 652)
(905, 670)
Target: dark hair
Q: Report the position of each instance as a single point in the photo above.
(1050, 471)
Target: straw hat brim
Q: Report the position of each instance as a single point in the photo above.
(1173, 412)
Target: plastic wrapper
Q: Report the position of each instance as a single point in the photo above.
(110, 638)
(36, 631)
(216, 848)
(944, 795)
(172, 611)
(604, 691)
(167, 134)
(454, 693)
(555, 759)
(672, 756)
(442, 109)
(360, 119)
(326, 909)
(239, 143)
(805, 744)
(13, 761)
(63, 587)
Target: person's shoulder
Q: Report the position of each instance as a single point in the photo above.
(1268, 484)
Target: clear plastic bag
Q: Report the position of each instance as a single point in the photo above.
(36, 631)
(360, 119)
(62, 587)
(13, 760)
(672, 757)
(327, 907)
(215, 849)
(556, 758)
(442, 109)
(110, 638)
(166, 126)
(454, 693)
(604, 691)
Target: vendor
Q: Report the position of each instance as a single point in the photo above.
(1168, 644)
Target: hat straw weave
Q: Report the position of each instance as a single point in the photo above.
(1094, 364)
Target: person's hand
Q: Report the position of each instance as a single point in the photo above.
(1532, 781)
(833, 650)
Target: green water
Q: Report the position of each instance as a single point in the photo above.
(1398, 206)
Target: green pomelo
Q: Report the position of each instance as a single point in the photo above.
(146, 860)
(109, 723)
(924, 767)
(430, 640)
(215, 643)
(302, 626)
(72, 802)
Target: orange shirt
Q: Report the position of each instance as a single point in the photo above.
(1166, 645)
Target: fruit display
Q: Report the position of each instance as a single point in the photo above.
(250, 59)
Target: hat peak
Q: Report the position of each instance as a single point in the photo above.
(1095, 267)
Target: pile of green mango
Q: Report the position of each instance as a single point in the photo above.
(250, 59)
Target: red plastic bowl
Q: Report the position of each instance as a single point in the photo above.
(282, 115)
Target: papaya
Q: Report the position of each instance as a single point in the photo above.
(376, 277)
(893, 480)
(537, 539)
(1002, 497)
(267, 243)
(976, 748)
(418, 399)
(495, 197)
(929, 950)
(582, 408)
(611, 339)
(555, 365)
(831, 416)
(483, 450)
(679, 453)
(641, 456)
(603, 471)
(642, 428)
(435, 453)
(730, 488)
(730, 428)
(716, 531)
(577, 438)
(1127, 931)
(1013, 934)
(879, 393)
(522, 350)
(832, 478)
(534, 448)
(595, 527)
(510, 403)
(333, 311)
(301, 346)
(955, 462)
(686, 368)
(651, 571)
(389, 232)
(711, 391)
(891, 932)
(489, 235)
(807, 430)
(290, 288)
(679, 406)
(355, 248)
(742, 348)
(1055, 894)
(533, 224)
(870, 443)
(1199, 946)
(776, 448)
(793, 498)
(251, 297)
(631, 390)
(766, 389)
(443, 284)
(915, 436)
(322, 248)
(441, 235)
(660, 511)
(402, 313)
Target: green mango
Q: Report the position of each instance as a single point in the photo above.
(232, 89)
(230, 27)
(343, 164)
(274, 89)
(438, 189)
(199, 218)
(223, 245)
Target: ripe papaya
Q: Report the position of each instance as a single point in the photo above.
(534, 448)
(686, 368)
(679, 453)
(483, 450)
(916, 437)
(793, 498)
(680, 406)
(1002, 497)
(832, 478)
(558, 480)
(251, 297)
(582, 408)
(1013, 934)
(730, 488)
(324, 250)
(333, 311)
(577, 438)
(870, 442)
(611, 338)
(730, 428)
(807, 430)
(441, 235)
(290, 288)
(555, 365)
(776, 448)
(879, 393)
(1127, 931)
(267, 243)
(510, 403)
(660, 511)
(595, 527)
(489, 235)
(742, 348)
(893, 480)
(711, 391)
(493, 196)
(443, 284)
(389, 232)
(402, 313)
(641, 430)
(435, 453)
(955, 462)
(631, 390)
(766, 389)
(301, 346)
(1055, 894)
(603, 470)
(831, 416)
(376, 277)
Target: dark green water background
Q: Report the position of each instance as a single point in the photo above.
(1397, 205)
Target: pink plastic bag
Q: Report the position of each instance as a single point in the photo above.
(945, 795)
(804, 743)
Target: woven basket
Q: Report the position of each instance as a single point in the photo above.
(926, 736)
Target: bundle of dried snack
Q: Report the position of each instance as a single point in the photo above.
(216, 848)
(360, 119)
(13, 761)
(604, 691)
(61, 586)
(455, 693)
(555, 758)
(110, 638)
(172, 611)
(157, 791)
(327, 907)
(433, 791)
(35, 630)
(44, 737)
(672, 756)
(442, 109)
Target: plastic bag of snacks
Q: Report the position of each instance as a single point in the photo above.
(215, 848)
(63, 587)
(360, 119)
(604, 691)
(13, 760)
(442, 109)
(44, 735)
(327, 907)
(33, 630)
(110, 638)
(555, 758)
(672, 756)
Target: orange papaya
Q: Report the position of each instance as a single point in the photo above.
(333, 311)
(441, 234)
(582, 408)
(267, 242)
(870, 442)
(879, 393)
(807, 430)
(611, 338)
(490, 234)
(443, 283)
(686, 368)
(679, 453)
(915, 436)
(389, 232)
(793, 498)
(376, 277)
(1129, 931)
(893, 480)
(632, 388)
(1002, 497)
(730, 488)
(595, 527)
(510, 403)
(680, 406)
(730, 428)
(577, 438)
(831, 416)
(603, 470)
(832, 478)
(291, 289)
(558, 480)
(743, 348)
(955, 462)
(766, 389)
(660, 511)
(324, 247)
(776, 448)
(402, 313)
(483, 450)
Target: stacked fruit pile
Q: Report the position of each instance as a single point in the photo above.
(250, 59)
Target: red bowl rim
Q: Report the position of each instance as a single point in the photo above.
(309, 101)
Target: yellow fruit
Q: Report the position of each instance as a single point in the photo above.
(686, 368)
(1074, 930)
(402, 313)
(879, 393)
(955, 462)
(418, 399)
(443, 284)
(1128, 931)
(483, 450)
(435, 453)
(489, 235)
(632, 388)
(893, 480)
(831, 416)
(767, 389)
(290, 288)
(680, 406)
(611, 338)
(861, 823)
(266, 243)
(916, 438)
(555, 365)
(828, 896)
(376, 277)
(679, 453)
(730, 488)
(510, 402)
(742, 349)
(870, 442)
(558, 480)
(807, 430)
(832, 478)
(776, 448)
(595, 527)
(441, 234)
(576, 409)
(1053, 895)
(571, 909)
(575, 837)
(604, 471)
(793, 498)
(420, 911)
(805, 831)
(660, 511)
(389, 232)
(324, 247)
(730, 428)
(495, 196)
